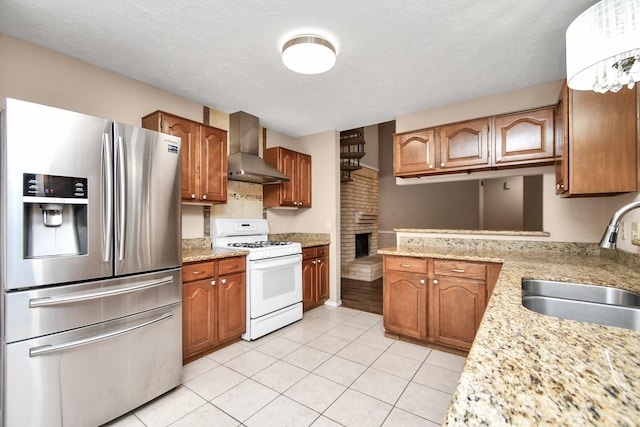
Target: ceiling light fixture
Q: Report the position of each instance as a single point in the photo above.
(603, 47)
(308, 54)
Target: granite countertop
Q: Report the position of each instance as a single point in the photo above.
(306, 240)
(199, 249)
(525, 368)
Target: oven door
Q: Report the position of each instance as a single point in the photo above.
(274, 284)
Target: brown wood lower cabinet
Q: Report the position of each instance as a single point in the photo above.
(315, 276)
(433, 300)
(213, 305)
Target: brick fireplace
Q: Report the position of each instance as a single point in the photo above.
(359, 217)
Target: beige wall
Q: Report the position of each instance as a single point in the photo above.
(324, 215)
(567, 220)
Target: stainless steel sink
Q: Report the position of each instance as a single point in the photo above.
(578, 291)
(602, 305)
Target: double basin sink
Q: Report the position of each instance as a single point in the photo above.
(603, 305)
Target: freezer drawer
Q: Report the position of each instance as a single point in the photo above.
(91, 375)
(43, 311)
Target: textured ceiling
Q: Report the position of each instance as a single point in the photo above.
(394, 57)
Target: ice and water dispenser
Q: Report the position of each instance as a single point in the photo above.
(55, 215)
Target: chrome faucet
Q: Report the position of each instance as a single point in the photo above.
(610, 235)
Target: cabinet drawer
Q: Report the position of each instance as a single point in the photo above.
(231, 265)
(463, 269)
(413, 265)
(322, 251)
(309, 253)
(197, 271)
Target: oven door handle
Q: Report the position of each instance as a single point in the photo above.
(37, 351)
(274, 263)
(42, 302)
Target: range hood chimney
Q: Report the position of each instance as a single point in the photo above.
(243, 162)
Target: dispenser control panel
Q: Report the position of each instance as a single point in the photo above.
(64, 187)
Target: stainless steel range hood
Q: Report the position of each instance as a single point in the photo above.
(243, 162)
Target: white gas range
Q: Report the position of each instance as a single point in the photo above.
(274, 274)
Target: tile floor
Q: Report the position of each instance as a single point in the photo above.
(335, 367)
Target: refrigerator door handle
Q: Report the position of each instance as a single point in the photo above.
(107, 198)
(122, 197)
(46, 301)
(38, 351)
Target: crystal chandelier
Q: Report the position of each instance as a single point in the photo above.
(603, 47)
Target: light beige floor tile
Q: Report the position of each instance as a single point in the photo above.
(227, 353)
(215, 382)
(425, 402)
(323, 421)
(340, 370)
(197, 367)
(346, 332)
(127, 420)
(322, 324)
(282, 412)
(250, 363)
(278, 347)
(411, 351)
(315, 392)
(382, 386)
(436, 377)
(301, 335)
(355, 409)
(245, 399)
(375, 340)
(280, 376)
(207, 416)
(360, 353)
(339, 315)
(169, 407)
(307, 358)
(445, 360)
(399, 366)
(328, 343)
(400, 418)
(378, 328)
(363, 321)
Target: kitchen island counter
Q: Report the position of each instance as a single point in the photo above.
(525, 368)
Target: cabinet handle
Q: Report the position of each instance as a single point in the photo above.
(442, 164)
(213, 283)
(435, 281)
(195, 273)
(457, 270)
(204, 197)
(405, 265)
(223, 281)
(422, 281)
(193, 196)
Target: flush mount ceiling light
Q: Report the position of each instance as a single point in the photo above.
(603, 47)
(308, 54)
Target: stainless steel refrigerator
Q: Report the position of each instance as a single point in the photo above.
(90, 266)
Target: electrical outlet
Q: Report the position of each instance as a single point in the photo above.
(623, 230)
(635, 230)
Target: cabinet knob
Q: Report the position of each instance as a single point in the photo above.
(430, 166)
(295, 203)
(313, 262)
(559, 186)
(193, 196)
(204, 197)
(319, 261)
(442, 164)
(435, 281)
(422, 282)
(213, 283)
(299, 203)
(223, 281)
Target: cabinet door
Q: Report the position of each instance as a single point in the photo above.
(198, 317)
(414, 153)
(308, 284)
(561, 140)
(232, 303)
(189, 132)
(464, 145)
(322, 279)
(213, 178)
(524, 137)
(458, 306)
(288, 160)
(304, 180)
(405, 304)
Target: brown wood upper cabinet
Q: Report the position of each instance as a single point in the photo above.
(596, 137)
(297, 166)
(204, 156)
(523, 137)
